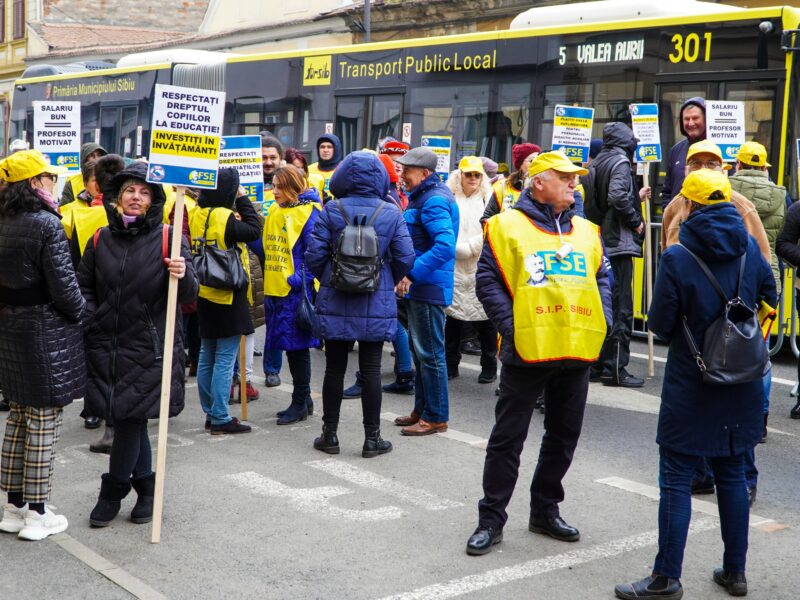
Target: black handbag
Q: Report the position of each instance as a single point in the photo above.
(217, 268)
(733, 349)
(305, 317)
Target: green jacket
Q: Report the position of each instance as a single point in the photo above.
(770, 202)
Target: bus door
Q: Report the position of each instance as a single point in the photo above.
(362, 120)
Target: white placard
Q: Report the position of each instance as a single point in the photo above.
(57, 132)
(407, 133)
(644, 122)
(243, 152)
(572, 131)
(442, 146)
(185, 136)
(725, 126)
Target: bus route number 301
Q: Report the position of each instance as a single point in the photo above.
(689, 48)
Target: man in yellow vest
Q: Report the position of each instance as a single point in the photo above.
(329, 151)
(543, 281)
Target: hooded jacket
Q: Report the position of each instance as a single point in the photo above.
(769, 200)
(613, 181)
(466, 306)
(433, 222)
(496, 299)
(360, 185)
(676, 164)
(331, 164)
(124, 280)
(74, 185)
(697, 418)
(41, 345)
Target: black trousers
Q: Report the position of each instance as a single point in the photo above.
(487, 336)
(616, 350)
(565, 400)
(369, 365)
(131, 455)
(300, 368)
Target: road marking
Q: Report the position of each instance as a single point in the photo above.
(701, 506)
(370, 480)
(451, 434)
(566, 560)
(107, 569)
(314, 501)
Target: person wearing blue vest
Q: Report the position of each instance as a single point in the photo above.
(432, 219)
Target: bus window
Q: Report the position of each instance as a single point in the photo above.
(580, 94)
(759, 113)
(89, 122)
(385, 119)
(511, 120)
(350, 122)
(127, 132)
(612, 100)
(109, 123)
(247, 113)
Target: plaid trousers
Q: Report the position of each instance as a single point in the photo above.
(26, 461)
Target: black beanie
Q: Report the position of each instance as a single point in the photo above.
(226, 192)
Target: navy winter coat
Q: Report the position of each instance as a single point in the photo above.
(360, 183)
(432, 219)
(496, 299)
(281, 312)
(697, 418)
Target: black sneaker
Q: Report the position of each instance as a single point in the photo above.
(623, 379)
(488, 375)
(735, 583)
(232, 426)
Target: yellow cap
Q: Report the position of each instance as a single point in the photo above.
(503, 168)
(26, 164)
(471, 164)
(705, 186)
(554, 160)
(706, 147)
(753, 154)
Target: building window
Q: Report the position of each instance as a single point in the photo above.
(19, 19)
(2, 20)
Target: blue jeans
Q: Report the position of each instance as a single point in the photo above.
(402, 350)
(214, 373)
(273, 361)
(675, 510)
(426, 328)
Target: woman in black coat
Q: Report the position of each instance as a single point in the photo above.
(124, 276)
(42, 367)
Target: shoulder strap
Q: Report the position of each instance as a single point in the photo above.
(208, 218)
(375, 214)
(339, 205)
(741, 275)
(710, 275)
(165, 241)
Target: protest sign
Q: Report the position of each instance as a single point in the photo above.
(441, 146)
(243, 153)
(644, 122)
(57, 132)
(572, 131)
(185, 136)
(725, 126)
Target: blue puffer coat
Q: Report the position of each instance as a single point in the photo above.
(280, 312)
(360, 183)
(697, 418)
(432, 219)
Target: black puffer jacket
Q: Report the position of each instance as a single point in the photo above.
(125, 281)
(615, 189)
(41, 346)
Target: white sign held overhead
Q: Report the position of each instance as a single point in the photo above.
(725, 126)
(243, 152)
(572, 131)
(185, 136)
(57, 132)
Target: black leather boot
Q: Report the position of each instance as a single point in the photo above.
(328, 441)
(374, 444)
(143, 509)
(111, 494)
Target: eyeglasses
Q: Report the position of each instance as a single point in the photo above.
(714, 165)
(472, 174)
(51, 176)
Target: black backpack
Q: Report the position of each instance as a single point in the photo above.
(357, 262)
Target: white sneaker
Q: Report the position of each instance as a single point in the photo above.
(13, 518)
(37, 527)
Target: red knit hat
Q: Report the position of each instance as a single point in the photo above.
(388, 164)
(519, 152)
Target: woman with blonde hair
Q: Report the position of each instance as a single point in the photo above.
(287, 233)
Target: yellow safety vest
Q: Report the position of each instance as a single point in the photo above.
(319, 183)
(87, 220)
(216, 236)
(505, 194)
(313, 169)
(169, 203)
(282, 229)
(558, 313)
(269, 200)
(77, 184)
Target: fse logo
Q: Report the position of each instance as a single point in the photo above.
(317, 70)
